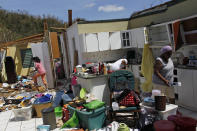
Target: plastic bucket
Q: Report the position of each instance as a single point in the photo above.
(48, 117)
(160, 103)
(58, 111)
(186, 124)
(43, 128)
(164, 125)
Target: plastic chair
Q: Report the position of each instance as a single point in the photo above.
(118, 81)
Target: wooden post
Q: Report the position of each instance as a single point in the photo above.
(69, 17)
(47, 39)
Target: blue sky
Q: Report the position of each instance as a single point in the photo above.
(88, 9)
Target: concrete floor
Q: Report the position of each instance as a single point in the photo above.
(8, 123)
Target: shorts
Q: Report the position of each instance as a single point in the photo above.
(166, 90)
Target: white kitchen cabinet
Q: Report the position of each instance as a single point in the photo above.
(91, 41)
(187, 92)
(103, 38)
(137, 38)
(97, 86)
(115, 40)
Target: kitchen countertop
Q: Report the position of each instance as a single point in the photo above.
(186, 67)
(90, 76)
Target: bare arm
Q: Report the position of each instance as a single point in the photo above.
(157, 68)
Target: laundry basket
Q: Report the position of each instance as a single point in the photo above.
(90, 120)
(39, 106)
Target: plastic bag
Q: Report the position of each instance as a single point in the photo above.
(82, 93)
(72, 122)
(94, 104)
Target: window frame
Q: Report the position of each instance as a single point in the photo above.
(125, 38)
(24, 65)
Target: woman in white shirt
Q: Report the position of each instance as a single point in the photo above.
(163, 73)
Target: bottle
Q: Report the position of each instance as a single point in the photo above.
(66, 114)
(105, 69)
(99, 67)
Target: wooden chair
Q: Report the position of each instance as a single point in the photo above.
(118, 81)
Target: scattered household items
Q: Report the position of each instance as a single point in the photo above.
(48, 117)
(115, 126)
(122, 91)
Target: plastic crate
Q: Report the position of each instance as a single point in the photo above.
(90, 120)
(22, 114)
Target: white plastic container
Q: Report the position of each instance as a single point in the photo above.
(23, 114)
(171, 109)
(155, 93)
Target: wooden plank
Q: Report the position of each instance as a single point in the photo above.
(54, 45)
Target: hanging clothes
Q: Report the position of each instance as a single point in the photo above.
(147, 68)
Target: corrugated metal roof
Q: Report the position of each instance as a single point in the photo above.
(103, 21)
(156, 9)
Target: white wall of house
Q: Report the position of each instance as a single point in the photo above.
(102, 46)
(74, 44)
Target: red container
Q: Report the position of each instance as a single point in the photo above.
(183, 123)
(65, 116)
(164, 125)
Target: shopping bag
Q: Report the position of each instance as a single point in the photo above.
(82, 93)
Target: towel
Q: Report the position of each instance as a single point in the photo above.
(147, 68)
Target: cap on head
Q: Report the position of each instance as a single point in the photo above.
(165, 49)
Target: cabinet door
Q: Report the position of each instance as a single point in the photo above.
(159, 35)
(103, 38)
(115, 41)
(195, 87)
(137, 37)
(186, 90)
(91, 42)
